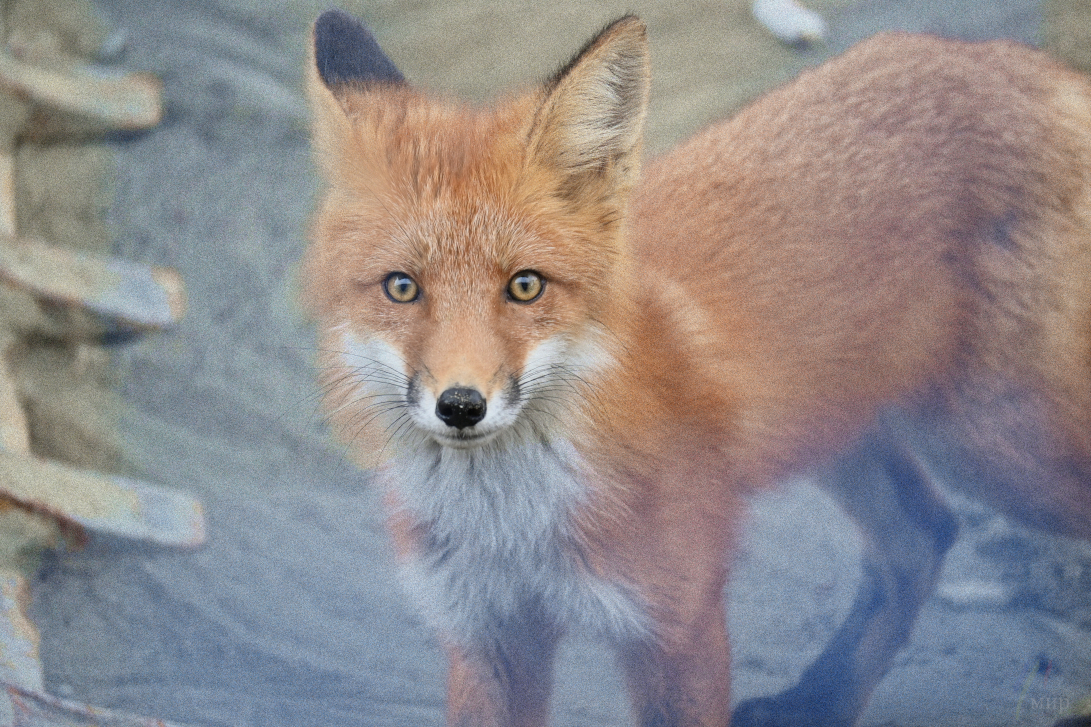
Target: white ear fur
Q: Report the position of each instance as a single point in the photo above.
(592, 116)
(330, 124)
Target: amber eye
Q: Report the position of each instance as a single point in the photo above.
(401, 288)
(525, 286)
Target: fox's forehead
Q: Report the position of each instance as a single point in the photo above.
(430, 148)
(482, 237)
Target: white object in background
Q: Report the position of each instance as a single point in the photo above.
(789, 21)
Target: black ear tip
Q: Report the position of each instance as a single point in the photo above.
(345, 51)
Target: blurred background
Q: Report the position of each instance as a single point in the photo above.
(289, 614)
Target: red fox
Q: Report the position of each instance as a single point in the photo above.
(569, 373)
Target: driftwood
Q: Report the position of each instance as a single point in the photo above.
(56, 293)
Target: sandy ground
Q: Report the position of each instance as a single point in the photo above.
(290, 615)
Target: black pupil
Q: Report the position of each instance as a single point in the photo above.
(402, 285)
(525, 285)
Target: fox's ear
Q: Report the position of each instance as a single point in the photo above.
(347, 62)
(345, 52)
(589, 124)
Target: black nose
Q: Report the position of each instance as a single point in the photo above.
(460, 407)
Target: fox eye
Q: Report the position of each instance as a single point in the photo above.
(401, 288)
(525, 286)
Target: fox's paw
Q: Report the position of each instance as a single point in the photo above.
(785, 710)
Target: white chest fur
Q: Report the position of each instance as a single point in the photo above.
(501, 536)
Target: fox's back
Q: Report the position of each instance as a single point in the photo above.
(879, 226)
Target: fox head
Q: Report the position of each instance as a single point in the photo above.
(467, 263)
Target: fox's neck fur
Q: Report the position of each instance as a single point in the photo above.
(497, 530)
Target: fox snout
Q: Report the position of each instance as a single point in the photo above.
(460, 407)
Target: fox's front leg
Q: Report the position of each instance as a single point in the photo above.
(679, 674)
(503, 679)
(683, 682)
